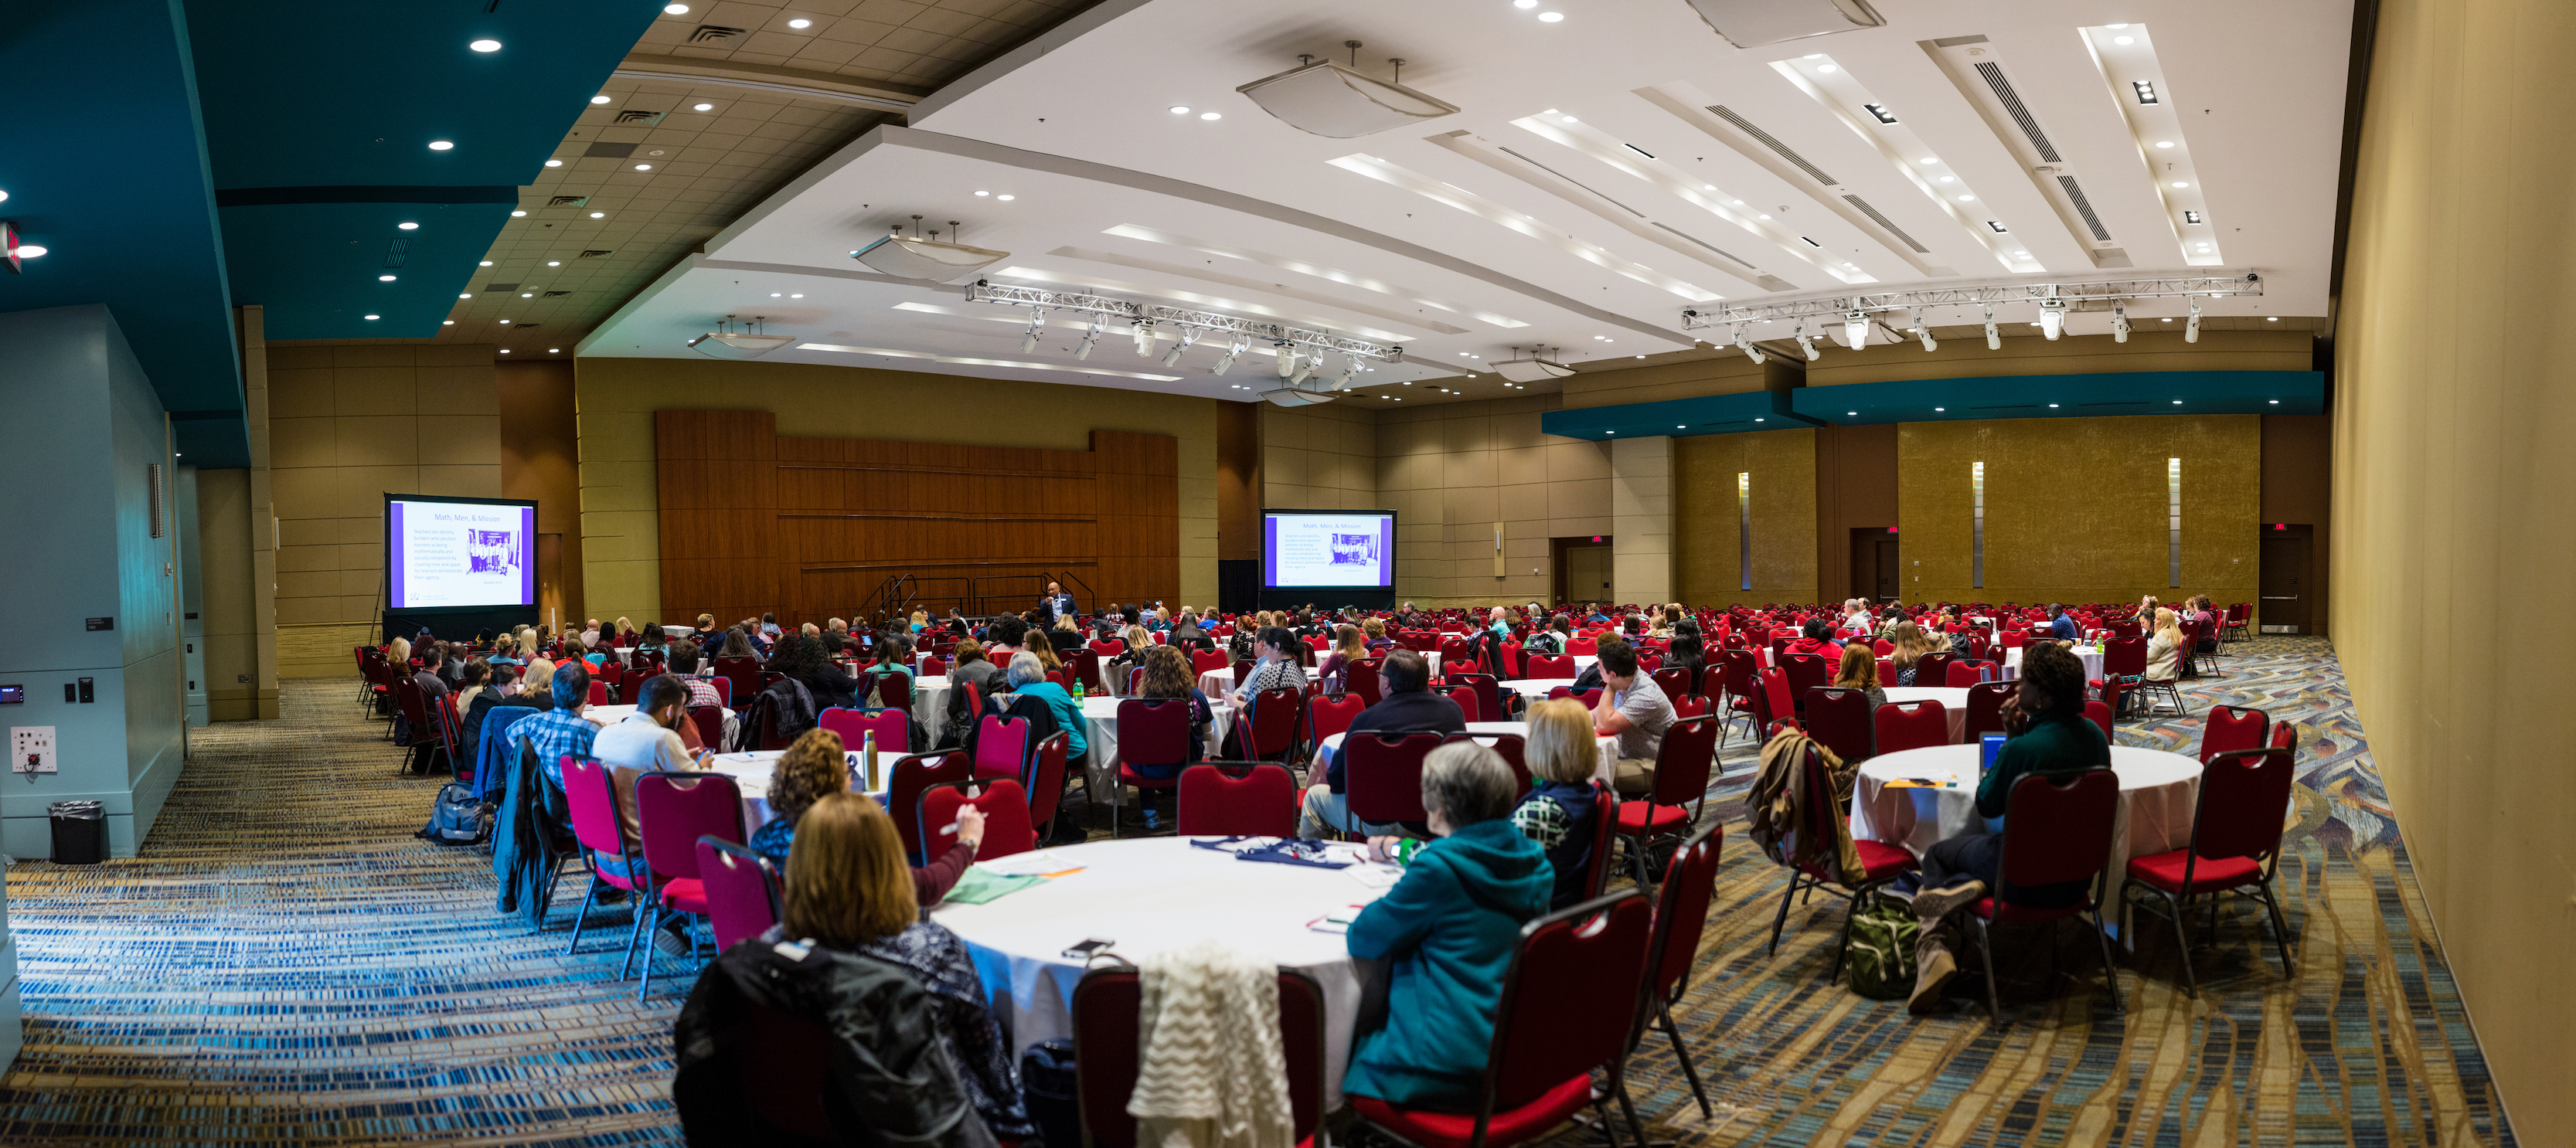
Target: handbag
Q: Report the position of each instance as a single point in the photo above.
(1882, 948)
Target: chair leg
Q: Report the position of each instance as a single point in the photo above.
(1986, 953)
(583, 916)
(2280, 929)
(1674, 1032)
(646, 916)
(646, 989)
(2110, 972)
(1786, 896)
(2181, 917)
(1628, 1107)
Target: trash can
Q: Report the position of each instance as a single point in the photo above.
(80, 832)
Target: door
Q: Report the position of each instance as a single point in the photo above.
(1587, 574)
(550, 578)
(1873, 563)
(2285, 585)
(1887, 590)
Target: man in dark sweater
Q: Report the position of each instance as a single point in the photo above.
(1405, 705)
(2049, 737)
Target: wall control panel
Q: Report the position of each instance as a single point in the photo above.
(31, 749)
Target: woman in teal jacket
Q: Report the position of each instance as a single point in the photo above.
(1449, 928)
(1027, 677)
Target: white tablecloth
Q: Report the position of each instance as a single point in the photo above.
(1100, 736)
(930, 704)
(2091, 656)
(1151, 895)
(606, 715)
(1216, 682)
(1954, 703)
(750, 773)
(2158, 791)
(1486, 731)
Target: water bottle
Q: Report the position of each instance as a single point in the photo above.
(868, 753)
(1409, 848)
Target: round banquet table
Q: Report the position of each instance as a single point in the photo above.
(1100, 739)
(2091, 656)
(1216, 682)
(930, 703)
(1152, 895)
(750, 773)
(1954, 703)
(1606, 772)
(606, 715)
(2158, 791)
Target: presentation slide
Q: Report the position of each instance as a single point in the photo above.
(460, 553)
(1327, 548)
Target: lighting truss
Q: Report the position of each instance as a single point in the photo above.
(2074, 293)
(1150, 316)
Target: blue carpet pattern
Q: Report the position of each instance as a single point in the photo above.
(286, 962)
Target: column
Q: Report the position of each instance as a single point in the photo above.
(1641, 519)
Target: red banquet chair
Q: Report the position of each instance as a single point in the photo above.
(1806, 672)
(2231, 728)
(1487, 694)
(1680, 791)
(1681, 912)
(2099, 712)
(1151, 731)
(591, 798)
(2235, 846)
(1933, 669)
(1006, 815)
(1464, 697)
(1364, 679)
(1546, 667)
(1840, 718)
(1605, 827)
(1329, 714)
(1206, 661)
(907, 778)
(1237, 799)
(1382, 776)
(1986, 709)
(1964, 675)
(1272, 732)
(2053, 834)
(1105, 1006)
(1046, 781)
(1911, 725)
(892, 727)
(1821, 820)
(741, 889)
(672, 811)
(1001, 745)
(1569, 1009)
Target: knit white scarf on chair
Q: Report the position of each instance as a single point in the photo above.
(1212, 1073)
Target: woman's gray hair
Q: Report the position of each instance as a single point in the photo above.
(1025, 669)
(1467, 783)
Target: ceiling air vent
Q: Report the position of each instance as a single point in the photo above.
(1703, 243)
(396, 252)
(715, 34)
(1993, 75)
(1723, 112)
(1570, 179)
(608, 151)
(595, 254)
(525, 326)
(1881, 220)
(490, 287)
(557, 294)
(2084, 207)
(634, 116)
(569, 201)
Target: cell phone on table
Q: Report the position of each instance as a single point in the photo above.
(1089, 949)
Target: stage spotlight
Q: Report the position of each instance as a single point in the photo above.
(1090, 339)
(2119, 324)
(1855, 329)
(1807, 343)
(1994, 337)
(2052, 317)
(1750, 351)
(1037, 326)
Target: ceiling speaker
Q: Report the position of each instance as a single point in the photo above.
(1531, 370)
(1327, 99)
(907, 257)
(1754, 23)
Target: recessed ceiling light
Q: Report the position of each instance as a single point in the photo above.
(487, 263)
(702, 107)
(643, 167)
(447, 322)
(485, 45)
(982, 194)
(676, 9)
(554, 163)
(505, 322)
(1967, 198)
(2271, 318)
(4, 197)
(2124, 39)
(384, 278)
(408, 226)
(1525, 5)
(2052, 406)
(2179, 183)
(442, 145)
(1854, 414)
(1824, 67)
(1940, 408)
(1949, 179)
(505, 350)
(1815, 55)
(2115, 27)
(1550, 17)
(2164, 143)
(1211, 115)
(800, 23)
(466, 295)
(527, 294)
(1929, 160)
(375, 316)
(2177, 402)
(1641, 356)
(2274, 402)
(773, 294)
(599, 99)
(599, 215)
(513, 215)
(554, 263)
(1766, 217)
(554, 350)
(798, 295)
(1006, 197)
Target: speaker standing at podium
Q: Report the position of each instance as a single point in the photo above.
(1057, 604)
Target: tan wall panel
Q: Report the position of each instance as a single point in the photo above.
(1707, 522)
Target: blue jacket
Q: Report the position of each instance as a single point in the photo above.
(1449, 927)
(494, 749)
(1559, 815)
(1068, 715)
(2065, 629)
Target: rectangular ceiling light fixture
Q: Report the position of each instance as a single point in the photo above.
(1842, 93)
(2127, 57)
(1495, 213)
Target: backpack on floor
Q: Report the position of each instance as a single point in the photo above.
(456, 817)
(1882, 948)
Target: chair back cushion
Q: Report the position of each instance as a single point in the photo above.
(892, 727)
(1840, 718)
(1274, 721)
(1986, 709)
(1912, 725)
(1382, 776)
(1605, 823)
(905, 782)
(1006, 816)
(1046, 784)
(2058, 829)
(1156, 731)
(741, 889)
(1331, 714)
(592, 801)
(2244, 799)
(673, 810)
(1251, 799)
(1681, 906)
(1570, 996)
(1682, 762)
(1001, 746)
(2229, 729)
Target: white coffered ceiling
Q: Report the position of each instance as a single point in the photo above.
(1511, 224)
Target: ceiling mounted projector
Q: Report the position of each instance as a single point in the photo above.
(1327, 99)
(912, 257)
(1298, 396)
(749, 340)
(1530, 370)
(1754, 23)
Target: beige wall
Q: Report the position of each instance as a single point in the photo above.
(616, 398)
(2076, 508)
(1451, 471)
(224, 568)
(1721, 374)
(348, 425)
(2454, 408)
(541, 462)
(1781, 485)
(1318, 458)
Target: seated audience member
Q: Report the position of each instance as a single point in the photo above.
(1856, 616)
(2164, 650)
(561, 731)
(1375, 628)
(707, 633)
(472, 681)
(1348, 647)
(1027, 678)
(1275, 667)
(1634, 709)
(1405, 705)
(2146, 615)
(973, 669)
(804, 662)
(1448, 928)
(894, 656)
(428, 678)
(2048, 736)
(817, 766)
(1859, 671)
(1187, 634)
(1167, 677)
(1911, 644)
(736, 644)
(1003, 637)
(646, 741)
(1065, 637)
(769, 626)
(1557, 812)
(1040, 644)
(1818, 640)
(956, 623)
(590, 634)
(2061, 625)
(1686, 653)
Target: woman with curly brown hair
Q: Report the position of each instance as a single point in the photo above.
(816, 766)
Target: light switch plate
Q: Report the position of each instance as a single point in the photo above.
(31, 749)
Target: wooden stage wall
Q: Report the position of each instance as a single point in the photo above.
(753, 521)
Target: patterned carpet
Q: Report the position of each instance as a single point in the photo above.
(287, 963)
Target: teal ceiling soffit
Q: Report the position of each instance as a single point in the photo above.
(318, 122)
(106, 169)
(2065, 396)
(1680, 418)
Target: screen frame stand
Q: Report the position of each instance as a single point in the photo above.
(1368, 596)
(446, 623)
